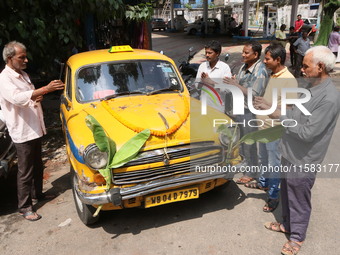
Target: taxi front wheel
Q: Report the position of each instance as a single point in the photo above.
(85, 212)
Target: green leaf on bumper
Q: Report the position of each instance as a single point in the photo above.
(103, 142)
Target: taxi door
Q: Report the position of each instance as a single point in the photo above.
(66, 105)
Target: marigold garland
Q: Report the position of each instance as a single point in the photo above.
(153, 132)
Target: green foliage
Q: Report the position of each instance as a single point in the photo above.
(142, 11)
(210, 6)
(115, 158)
(261, 136)
(327, 22)
(51, 28)
(130, 149)
(187, 5)
(103, 142)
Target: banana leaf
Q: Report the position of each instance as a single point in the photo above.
(103, 142)
(115, 158)
(130, 149)
(263, 136)
(223, 129)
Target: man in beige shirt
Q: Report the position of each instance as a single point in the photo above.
(281, 35)
(20, 104)
(275, 56)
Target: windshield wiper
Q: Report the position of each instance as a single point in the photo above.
(162, 90)
(120, 94)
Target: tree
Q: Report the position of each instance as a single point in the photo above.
(51, 28)
(329, 8)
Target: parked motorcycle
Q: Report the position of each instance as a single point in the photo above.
(189, 71)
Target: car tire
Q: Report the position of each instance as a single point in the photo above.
(85, 212)
(192, 31)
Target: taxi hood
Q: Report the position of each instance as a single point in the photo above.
(164, 114)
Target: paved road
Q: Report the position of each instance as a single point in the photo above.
(225, 221)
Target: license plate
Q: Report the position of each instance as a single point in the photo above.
(171, 196)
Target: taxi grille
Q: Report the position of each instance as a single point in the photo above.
(210, 155)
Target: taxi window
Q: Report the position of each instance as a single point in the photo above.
(68, 83)
(143, 76)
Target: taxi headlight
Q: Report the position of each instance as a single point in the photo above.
(231, 135)
(95, 158)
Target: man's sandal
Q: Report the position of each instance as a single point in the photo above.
(291, 248)
(271, 205)
(31, 216)
(244, 180)
(255, 185)
(276, 227)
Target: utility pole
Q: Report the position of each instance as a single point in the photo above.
(295, 4)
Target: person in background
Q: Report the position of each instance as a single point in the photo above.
(210, 73)
(233, 26)
(304, 145)
(298, 25)
(334, 41)
(252, 74)
(281, 36)
(20, 104)
(292, 37)
(274, 59)
(312, 31)
(302, 44)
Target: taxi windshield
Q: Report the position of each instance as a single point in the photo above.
(102, 80)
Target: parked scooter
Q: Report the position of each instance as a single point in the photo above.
(189, 71)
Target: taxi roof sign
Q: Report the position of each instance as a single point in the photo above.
(121, 48)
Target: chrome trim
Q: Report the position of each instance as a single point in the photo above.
(147, 188)
(90, 199)
(151, 187)
(175, 152)
(167, 170)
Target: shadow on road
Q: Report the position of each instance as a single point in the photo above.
(59, 186)
(8, 191)
(138, 219)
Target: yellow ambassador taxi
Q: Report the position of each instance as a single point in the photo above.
(127, 91)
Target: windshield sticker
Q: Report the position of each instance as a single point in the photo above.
(167, 69)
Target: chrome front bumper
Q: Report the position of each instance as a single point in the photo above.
(117, 195)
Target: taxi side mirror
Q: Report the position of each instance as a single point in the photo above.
(64, 101)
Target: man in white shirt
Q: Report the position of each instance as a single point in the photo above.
(20, 104)
(210, 76)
